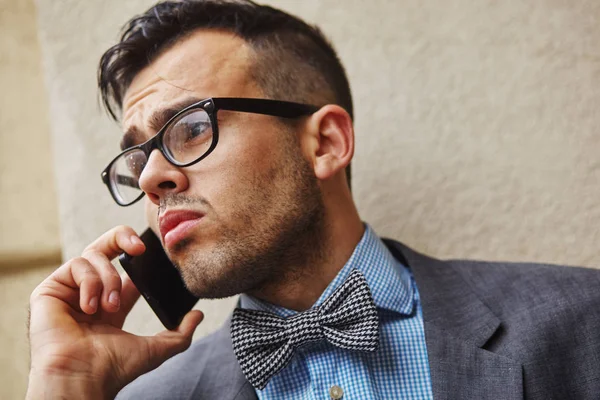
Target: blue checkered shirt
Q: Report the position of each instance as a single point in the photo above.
(397, 370)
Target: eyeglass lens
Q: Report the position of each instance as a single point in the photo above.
(186, 139)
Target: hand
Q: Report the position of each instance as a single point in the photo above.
(77, 314)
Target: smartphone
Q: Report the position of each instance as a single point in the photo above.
(159, 281)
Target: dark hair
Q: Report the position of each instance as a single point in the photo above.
(293, 61)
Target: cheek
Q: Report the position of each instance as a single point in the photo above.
(241, 158)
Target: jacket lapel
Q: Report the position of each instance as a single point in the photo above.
(225, 379)
(457, 327)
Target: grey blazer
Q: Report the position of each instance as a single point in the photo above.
(493, 331)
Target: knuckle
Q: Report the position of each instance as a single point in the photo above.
(84, 267)
(69, 264)
(92, 286)
(122, 229)
(79, 262)
(114, 279)
(108, 270)
(89, 273)
(92, 280)
(107, 273)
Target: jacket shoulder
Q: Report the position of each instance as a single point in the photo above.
(511, 287)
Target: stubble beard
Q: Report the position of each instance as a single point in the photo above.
(278, 235)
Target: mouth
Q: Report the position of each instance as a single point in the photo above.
(176, 225)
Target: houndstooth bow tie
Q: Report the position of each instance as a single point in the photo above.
(264, 343)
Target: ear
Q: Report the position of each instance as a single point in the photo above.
(332, 141)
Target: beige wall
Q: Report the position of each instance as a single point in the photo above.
(29, 221)
(476, 125)
(29, 234)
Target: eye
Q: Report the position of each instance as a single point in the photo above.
(193, 127)
(196, 129)
(189, 136)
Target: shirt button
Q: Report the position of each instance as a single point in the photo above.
(336, 392)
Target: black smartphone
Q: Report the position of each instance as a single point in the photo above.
(159, 281)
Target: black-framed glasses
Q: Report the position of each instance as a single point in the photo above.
(188, 137)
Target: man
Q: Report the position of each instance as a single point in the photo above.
(251, 196)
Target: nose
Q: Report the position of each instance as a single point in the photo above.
(160, 178)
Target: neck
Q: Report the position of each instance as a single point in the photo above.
(299, 289)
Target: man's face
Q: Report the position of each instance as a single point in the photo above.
(254, 202)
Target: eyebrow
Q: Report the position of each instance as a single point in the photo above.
(158, 119)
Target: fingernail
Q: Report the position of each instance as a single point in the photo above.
(94, 303)
(135, 240)
(113, 298)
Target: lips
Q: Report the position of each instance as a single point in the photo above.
(175, 225)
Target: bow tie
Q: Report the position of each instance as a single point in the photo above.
(264, 343)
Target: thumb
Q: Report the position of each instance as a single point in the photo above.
(167, 343)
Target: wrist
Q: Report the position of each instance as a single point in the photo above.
(54, 384)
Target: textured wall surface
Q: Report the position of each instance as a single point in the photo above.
(476, 124)
(29, 223)
(29, 234)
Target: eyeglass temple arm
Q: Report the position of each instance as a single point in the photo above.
(276, 108)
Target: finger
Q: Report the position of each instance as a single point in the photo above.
(187, 326)
(80, 274)
(129, 296)
(110, 299)
(151, 351)
(52, 288)
(116, 241)
(168, 343)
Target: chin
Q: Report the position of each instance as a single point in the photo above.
(210, 272)
(210, 281)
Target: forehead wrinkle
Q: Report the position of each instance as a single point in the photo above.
(166, 80)
(130, 100)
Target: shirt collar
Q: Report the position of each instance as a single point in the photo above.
(390, 281)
